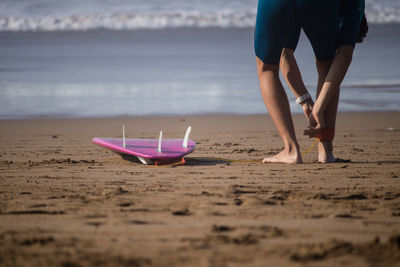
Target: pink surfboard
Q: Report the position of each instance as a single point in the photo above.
(150, 151)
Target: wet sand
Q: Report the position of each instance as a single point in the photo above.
(67, 202)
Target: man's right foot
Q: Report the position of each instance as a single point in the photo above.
(285, 157)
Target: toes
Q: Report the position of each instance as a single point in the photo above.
(265, 160)
(270, 160)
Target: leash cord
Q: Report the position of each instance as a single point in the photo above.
(223, 159)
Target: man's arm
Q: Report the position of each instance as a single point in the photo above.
(291, 72)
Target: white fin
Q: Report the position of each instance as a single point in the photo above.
(123, 136)
(144, 161)
(159, 142)
(186, 139)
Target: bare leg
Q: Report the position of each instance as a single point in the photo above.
(328, 98)
(276, 101)
(325, 153)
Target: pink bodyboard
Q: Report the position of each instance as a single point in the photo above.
(147, 148)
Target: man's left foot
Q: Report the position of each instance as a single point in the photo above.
(325, 153)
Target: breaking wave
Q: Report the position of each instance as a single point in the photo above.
(376, 12)
(223, 19)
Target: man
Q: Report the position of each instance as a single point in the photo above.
(352, 28)
(275, 20)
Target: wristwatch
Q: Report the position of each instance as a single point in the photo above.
(301, 99)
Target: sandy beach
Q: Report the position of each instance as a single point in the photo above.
(67, 202)
(74, 70)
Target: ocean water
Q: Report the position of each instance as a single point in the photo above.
(90, 58)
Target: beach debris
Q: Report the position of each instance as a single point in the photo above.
(222, 228)
(121, 191)
(238, 190)
(238, 201)
(180, 212)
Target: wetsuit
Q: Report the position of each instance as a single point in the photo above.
(276, 20)
(351, 13)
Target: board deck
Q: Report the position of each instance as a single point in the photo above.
(147, 149)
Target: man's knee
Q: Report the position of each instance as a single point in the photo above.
(287, 61)
(345, 53)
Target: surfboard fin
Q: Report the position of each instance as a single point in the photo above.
(186, 139)
(145, 161)
(123, 136)
(159, 143)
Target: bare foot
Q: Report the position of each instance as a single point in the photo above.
(285, 156)
(325, 152)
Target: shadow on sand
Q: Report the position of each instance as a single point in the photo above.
(189, 161)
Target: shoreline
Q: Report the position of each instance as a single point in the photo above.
(172, 115)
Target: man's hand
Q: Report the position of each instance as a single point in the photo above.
(316, 122)
(307, 107)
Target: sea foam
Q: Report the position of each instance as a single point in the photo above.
(376, 14)
(223, 19)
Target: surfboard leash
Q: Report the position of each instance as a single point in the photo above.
(311, 147)
(182, 162)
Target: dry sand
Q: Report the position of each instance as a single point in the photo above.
(67, 202)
